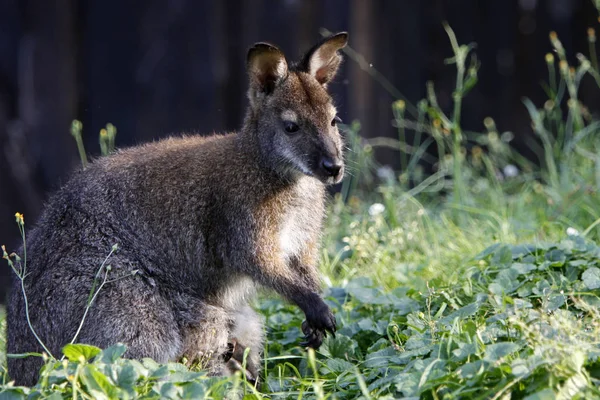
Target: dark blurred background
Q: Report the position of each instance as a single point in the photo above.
(157, 67)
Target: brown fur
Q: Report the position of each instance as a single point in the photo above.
(203, 220)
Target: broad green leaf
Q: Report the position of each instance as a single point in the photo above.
(591, 278)
(384, 382)
(578, 263)
(98, 384)
(462, 313)
(487, 252)
(496, 288)
(75, 351)
(427, 371)
(159, 372)
(193, 390)
(368, 295)
(521, 250)
(13, 393)
(182, 377)
(464, 350)
(126, 376)
(408, 383)
(340, 347)
(496, 351)
(507, 279)
(380, 358)
(472, 369)
(519, 368)
(503, 256)
(404, 305)
(572, 387)
(415, 342)
(556, 257)
(546, 394)
(525, 290)
(407, 356)
(541, 287)
(168, 390)
(555, 301)
(338, 365)
(523, 268)
(111, 354)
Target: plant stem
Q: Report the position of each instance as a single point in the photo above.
(22, 277)
(91, 298)
(460, 55)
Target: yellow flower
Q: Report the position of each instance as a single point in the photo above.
(19, 218)
(591, 34)
(564, 67)
(400, 105)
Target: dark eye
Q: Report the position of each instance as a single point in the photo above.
(336, 120)
(290, 127)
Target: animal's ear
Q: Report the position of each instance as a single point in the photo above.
(323, 60)
(266, 67)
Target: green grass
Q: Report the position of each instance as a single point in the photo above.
(466, 284)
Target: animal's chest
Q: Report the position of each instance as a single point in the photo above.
(294, 233)
(301, 221)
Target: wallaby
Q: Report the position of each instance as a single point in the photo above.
(203, 220)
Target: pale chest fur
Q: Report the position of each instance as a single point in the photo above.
(300, 222)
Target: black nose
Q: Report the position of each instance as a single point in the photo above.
(331, 167)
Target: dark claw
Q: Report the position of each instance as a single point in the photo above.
(306, 328)
(319, 321)
(313, 339)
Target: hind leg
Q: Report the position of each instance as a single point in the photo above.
(127, 310)
(247, 332)
(205, 342)
(133, 312)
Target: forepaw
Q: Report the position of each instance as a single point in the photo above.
(316, 326)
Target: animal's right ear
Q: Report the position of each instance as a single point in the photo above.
(266, 67)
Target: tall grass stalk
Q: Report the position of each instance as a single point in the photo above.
(76, 128)
(20, 271)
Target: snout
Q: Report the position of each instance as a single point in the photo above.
(332, 169)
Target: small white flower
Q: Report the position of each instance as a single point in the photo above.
(386, 173)
(507, 137)
(572, 231)
(376, 209)
(510, 171)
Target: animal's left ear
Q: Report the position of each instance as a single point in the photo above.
(323, 60)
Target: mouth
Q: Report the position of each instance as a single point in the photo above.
(331, 179)
(330, 170)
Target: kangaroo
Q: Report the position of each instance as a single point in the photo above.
(203, 220)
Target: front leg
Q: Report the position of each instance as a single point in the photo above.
(295, 277)
(319, 318)
(298, 282)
